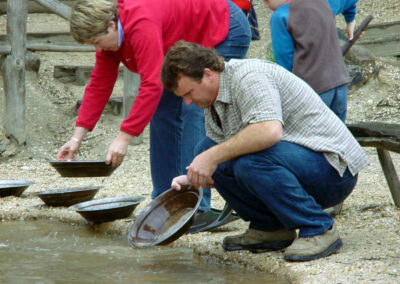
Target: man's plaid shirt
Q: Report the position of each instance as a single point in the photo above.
(254, 90)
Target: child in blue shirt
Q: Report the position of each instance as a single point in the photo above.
(304, 41)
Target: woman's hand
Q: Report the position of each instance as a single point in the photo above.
(68, 150)
(118, 148)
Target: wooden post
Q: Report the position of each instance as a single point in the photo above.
(14, 71)
(390, 174)
(131, 89)
(57, 7)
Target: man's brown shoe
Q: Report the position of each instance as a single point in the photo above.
(259, 240)
(305, 249)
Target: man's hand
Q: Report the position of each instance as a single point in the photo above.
(178, 181)
(201, 169)
(118, 148)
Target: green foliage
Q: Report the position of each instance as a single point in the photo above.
(271, 56)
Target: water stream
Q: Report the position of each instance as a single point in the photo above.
(52, 252)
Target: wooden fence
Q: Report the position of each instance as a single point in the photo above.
(15, 47)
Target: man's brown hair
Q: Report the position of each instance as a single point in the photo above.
(188, 59)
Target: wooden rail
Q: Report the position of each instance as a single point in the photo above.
(34, 7)
(385, 137)
(15, 48)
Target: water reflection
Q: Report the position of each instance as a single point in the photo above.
(52, 252)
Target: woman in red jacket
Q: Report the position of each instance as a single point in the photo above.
(138, 33)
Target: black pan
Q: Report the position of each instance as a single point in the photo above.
(107, 209)
(68, 196)
(13, 187)
(83, 168)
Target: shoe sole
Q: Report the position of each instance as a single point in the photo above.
(278, 245)
(330, 250)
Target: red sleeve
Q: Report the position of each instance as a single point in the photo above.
(243, 4)
(99, 89)
(145, 37)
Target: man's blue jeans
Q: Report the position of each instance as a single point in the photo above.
(336, 100)
(284, 186)
(176, 128)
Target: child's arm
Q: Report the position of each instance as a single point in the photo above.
(282, 41)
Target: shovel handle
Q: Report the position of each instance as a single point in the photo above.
(362, 27)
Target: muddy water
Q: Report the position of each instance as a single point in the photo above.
(53, 252)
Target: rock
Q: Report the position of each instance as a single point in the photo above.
(355, 73)
(361, 65)
(7, 149)
(32, 61)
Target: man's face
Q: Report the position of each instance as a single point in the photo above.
(202, 94)
(108, 41)
(273, 4)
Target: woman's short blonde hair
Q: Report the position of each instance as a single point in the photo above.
(90, 18)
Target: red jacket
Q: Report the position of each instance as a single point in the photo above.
(150, 27)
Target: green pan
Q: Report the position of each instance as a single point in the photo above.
(212, 219)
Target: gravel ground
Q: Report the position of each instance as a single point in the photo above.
(368, 223)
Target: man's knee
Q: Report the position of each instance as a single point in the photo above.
(203, 145)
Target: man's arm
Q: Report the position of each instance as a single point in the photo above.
(253, 138)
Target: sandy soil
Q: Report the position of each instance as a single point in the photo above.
(369, 222)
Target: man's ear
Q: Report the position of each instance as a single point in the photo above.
(208, 74)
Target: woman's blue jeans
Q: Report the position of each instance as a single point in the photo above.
(336, 100)
(284, 186)
(176, 128)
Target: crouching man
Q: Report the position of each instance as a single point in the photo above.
(274, 150)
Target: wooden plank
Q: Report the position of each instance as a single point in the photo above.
(52, 47)
(114, 104)
(388, 47)
(60, 47)
(131, 89)
(381, 30)
(14, 71)
(390, 174)
(380, 143)
(44, 37)
(57, 7)
(34, 7)
(382, 39)
(77, 74)
(375, 129)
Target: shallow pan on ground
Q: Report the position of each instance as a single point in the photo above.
(166, 218)
(13, 187)
(107, 209)
(68, 196)
(214, 218)
(83, 168)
